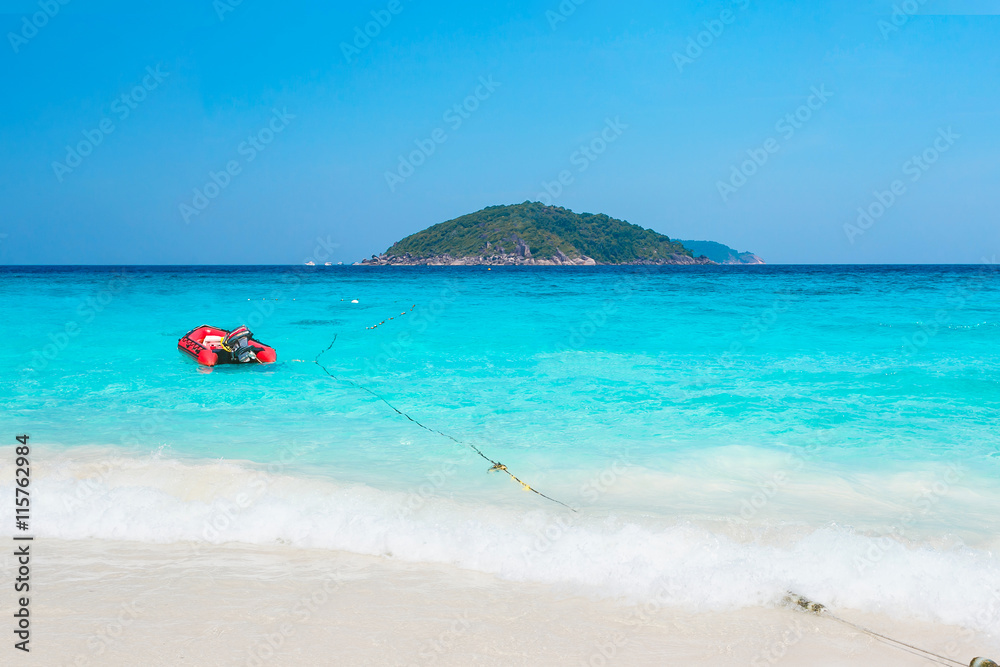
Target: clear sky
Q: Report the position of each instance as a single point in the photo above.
(242, 132)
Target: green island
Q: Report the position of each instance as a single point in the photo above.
(535, 234)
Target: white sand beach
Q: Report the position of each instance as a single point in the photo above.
(99, 602)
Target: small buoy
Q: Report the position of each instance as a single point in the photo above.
(354, 301)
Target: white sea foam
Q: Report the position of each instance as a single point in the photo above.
(701, 563)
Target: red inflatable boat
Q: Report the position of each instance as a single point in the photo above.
(210, 346)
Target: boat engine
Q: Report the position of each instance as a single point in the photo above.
(238, 344)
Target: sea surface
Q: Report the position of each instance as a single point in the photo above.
(721, 434)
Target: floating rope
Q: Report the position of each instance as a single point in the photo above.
(496, 465)
(821, 610)
(790, 598)
(376, 326)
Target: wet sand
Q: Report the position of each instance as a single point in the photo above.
(122, 603)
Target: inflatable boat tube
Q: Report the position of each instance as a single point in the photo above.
(204, 345)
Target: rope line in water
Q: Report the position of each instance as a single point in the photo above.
(791, 598)
(391, 318)
(496, 465)
(821, 610)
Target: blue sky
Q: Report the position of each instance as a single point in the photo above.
(248, 131)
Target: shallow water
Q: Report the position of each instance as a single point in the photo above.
(734, 431)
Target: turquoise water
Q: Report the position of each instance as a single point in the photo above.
(743, 429)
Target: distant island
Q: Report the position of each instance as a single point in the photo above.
(534, 234)
(721, 254)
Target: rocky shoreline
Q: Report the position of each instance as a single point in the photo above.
(513, 260)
